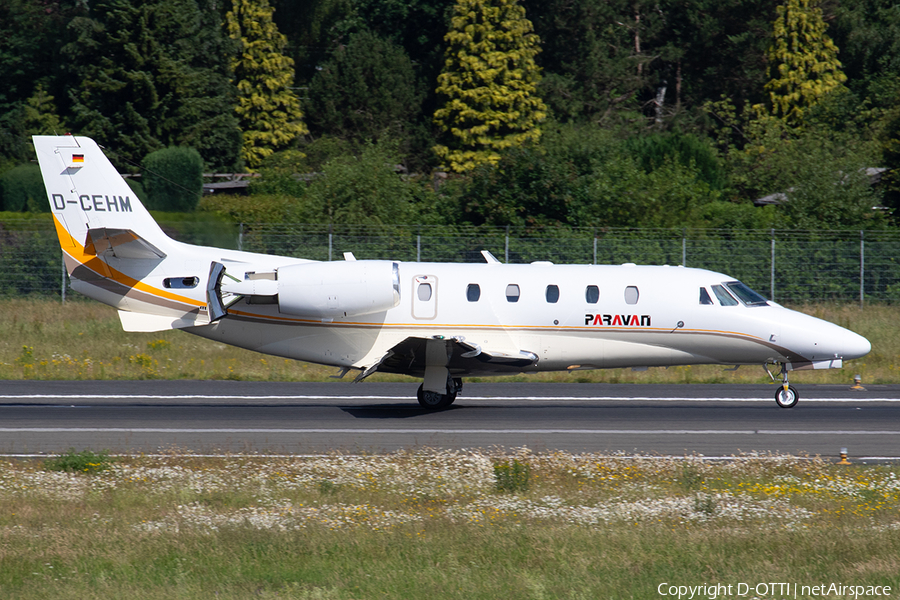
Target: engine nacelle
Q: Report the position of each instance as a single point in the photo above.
(328, 290)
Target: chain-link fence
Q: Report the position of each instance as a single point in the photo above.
(786, 265)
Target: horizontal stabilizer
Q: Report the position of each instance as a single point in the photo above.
(121, 243)
(134, 321)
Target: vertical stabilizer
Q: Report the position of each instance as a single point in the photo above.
(87, 194)
(114, 251)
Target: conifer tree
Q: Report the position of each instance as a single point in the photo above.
(803, 64)
(268, 110)
(40, 114)
(367, 88)
(489, 83)
(151, 74)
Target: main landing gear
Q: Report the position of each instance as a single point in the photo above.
(786, 396)
(436, 400)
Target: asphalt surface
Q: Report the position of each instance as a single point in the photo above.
(310, 418)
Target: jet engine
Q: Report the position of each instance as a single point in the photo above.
(328, 290)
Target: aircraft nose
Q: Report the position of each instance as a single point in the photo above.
(854, 345)
(838, 342)
(818, 340)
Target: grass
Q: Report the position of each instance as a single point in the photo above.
(431, 524)
(44, 339)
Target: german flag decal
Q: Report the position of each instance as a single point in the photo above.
(78, 158)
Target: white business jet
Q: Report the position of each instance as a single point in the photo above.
(437, 321)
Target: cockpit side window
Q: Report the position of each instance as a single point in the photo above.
(745, 294)
(725, 299)
(704, 296)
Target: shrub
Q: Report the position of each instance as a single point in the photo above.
(22, 188)
(365, 189)
(138, 189)
(85, 461)
(512, 476)
(173, 179)
(654, 150)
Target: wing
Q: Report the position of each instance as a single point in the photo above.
(463, 358)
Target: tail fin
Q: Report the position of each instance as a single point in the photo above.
(92, 204)
(110, 243)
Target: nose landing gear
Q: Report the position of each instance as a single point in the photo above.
(786, 396)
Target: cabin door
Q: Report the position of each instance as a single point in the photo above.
(424, 297)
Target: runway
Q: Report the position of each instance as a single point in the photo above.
(311, 418)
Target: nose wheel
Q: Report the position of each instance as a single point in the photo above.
(786, 396)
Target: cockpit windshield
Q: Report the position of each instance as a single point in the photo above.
(745, 294)
(724, 297)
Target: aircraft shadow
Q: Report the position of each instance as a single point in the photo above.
(392, 411)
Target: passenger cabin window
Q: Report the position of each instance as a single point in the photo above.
(725, 299)
(552, 293)
(180, 283)
(632, 294)
(592, 294)
(424, 292)
(512, 293)
(704, 296)
(473, 292)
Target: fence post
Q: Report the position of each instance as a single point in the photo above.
(240, 236)
(506, 249)
(683, 247)
(772, 273)
(595, 248)
(329, 244)
(418, 247)
(63, 288)
(862, 267)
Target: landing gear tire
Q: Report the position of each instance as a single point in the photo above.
(435, 400)
(786, 398)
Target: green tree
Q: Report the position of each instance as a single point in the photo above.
(367, 89)
(22, 188)
(868, 34)
(40, 116)
(489, 83)
(596, 56)
(826, 184)
(268, 109)
(803, 64)
(359, 189)
(31, 35)
(153, 73)
(585, 176)
(890, 156)
(710, 48)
